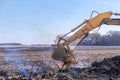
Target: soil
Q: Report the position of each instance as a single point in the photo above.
(107, 69)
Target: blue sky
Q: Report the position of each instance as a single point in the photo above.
(40, 21)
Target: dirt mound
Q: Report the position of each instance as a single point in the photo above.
(109, 62)
(109, 66)
(107, 69)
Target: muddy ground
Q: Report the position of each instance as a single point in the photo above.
(34, 65)
(107, 69)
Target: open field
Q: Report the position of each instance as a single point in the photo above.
(15, 60)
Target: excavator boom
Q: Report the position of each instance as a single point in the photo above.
(111, 21)
(89, 26)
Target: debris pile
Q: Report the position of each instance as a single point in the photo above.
(107, 69)
(109, 66)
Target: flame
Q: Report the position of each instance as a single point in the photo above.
(59, 64)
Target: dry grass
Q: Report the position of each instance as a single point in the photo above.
(32, 59)
(85, 55)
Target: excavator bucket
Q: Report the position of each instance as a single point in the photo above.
(59, 53)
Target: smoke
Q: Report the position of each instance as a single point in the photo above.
(13, 56)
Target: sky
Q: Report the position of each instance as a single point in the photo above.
(40, 21)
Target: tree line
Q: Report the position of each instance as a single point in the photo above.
(112, 38)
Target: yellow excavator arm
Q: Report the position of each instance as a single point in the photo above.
(63, 53)
(89, 25)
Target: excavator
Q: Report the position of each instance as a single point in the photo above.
(62, 51)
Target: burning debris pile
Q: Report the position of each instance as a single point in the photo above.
(107, 69)
(110, 66)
